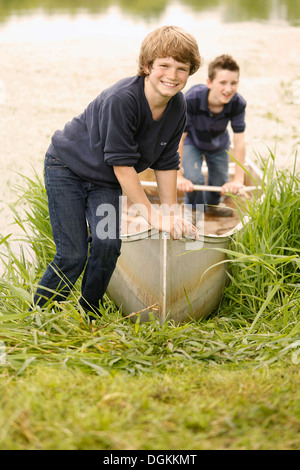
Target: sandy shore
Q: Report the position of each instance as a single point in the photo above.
(44, 84)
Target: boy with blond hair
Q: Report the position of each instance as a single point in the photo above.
(133, 125)
(210, 108)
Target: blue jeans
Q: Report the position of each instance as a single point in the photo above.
(80, 212)
(217, 166)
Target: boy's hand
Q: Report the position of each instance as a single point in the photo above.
(183, 184)
(176, 226)
(232, 187)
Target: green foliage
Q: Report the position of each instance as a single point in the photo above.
(265, 262)
(68, 383)
(258, 320)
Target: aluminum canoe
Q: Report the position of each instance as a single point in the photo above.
(174, 279)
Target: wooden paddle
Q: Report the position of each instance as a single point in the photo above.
(200, 187)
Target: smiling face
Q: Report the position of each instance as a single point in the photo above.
(223, 87)
(165, 78)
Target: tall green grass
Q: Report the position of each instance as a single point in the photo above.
(265, 262)
(258, 322)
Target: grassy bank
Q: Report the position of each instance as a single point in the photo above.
(184, 408)
(229, 381)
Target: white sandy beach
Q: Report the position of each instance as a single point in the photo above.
(44, 84)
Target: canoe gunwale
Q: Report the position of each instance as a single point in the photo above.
(208, 238)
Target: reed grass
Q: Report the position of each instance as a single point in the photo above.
(257, 323)
(265, 263)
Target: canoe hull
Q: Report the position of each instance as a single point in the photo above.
(181, 280)
(177, 280)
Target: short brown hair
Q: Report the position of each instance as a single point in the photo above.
(222, 62)
(169, 41)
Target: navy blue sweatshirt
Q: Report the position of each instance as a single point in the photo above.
(207, 131)
(117, 129)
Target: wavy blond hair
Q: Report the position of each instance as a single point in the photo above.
(169, 41)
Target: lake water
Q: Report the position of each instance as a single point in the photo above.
(154, 10)
(28, 20)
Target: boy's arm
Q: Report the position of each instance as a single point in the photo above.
(239, 154)
(167, 189)
(167, 186)
(183, 184)
(130, 183)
